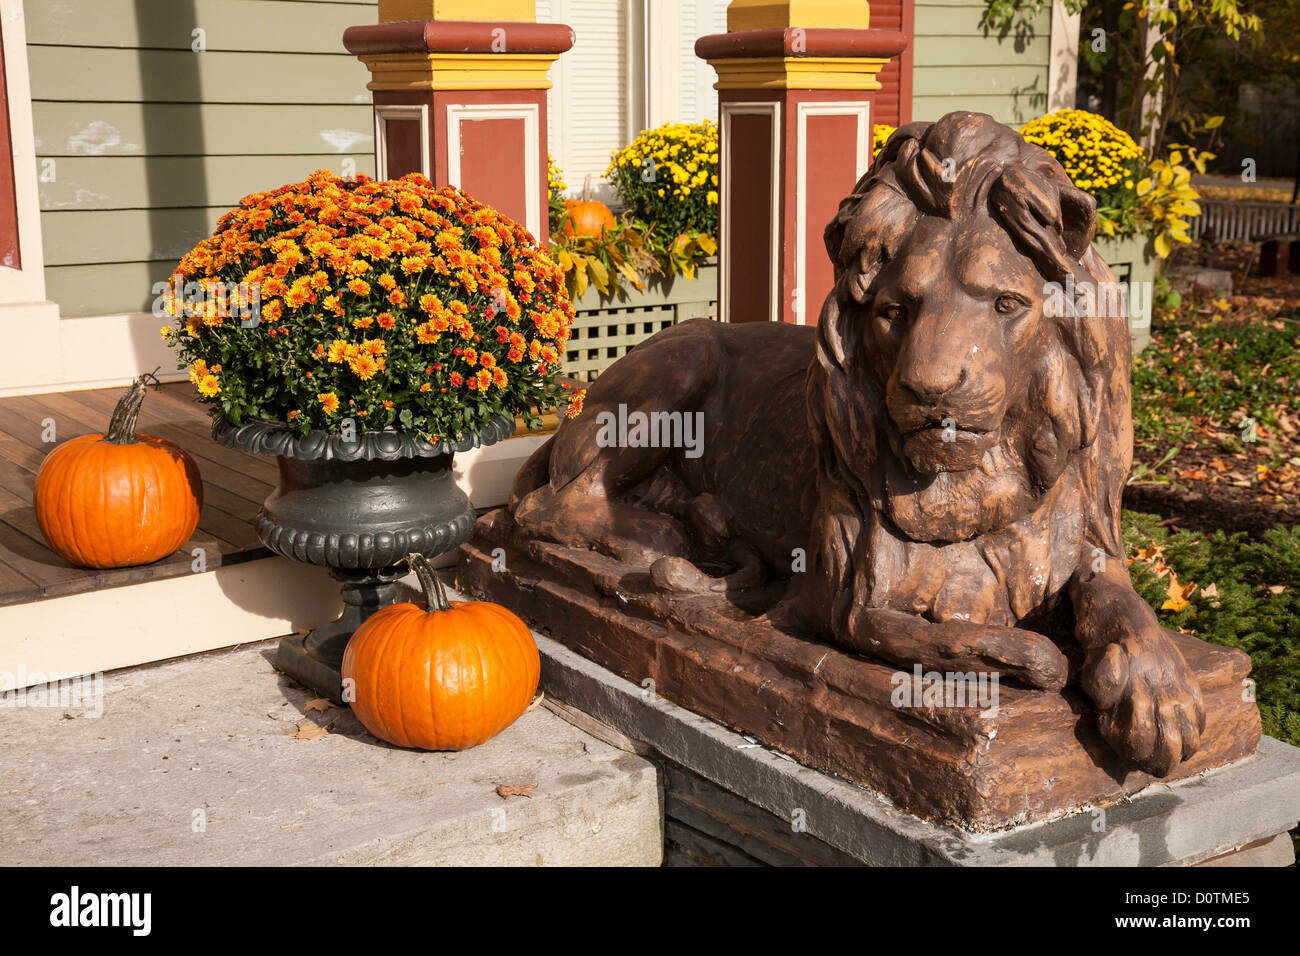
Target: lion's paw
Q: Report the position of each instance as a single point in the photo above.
(1149, 706)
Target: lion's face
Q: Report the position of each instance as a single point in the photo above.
(944, 390)
(952, 396)
(953, 336)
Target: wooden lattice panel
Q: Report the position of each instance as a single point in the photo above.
(603, 336)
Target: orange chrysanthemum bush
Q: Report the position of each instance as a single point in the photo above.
(390, 304)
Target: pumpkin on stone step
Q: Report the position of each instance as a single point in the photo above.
(586, 216)
(443, 676)
(119, 499)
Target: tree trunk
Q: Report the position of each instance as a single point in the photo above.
(1110, 10)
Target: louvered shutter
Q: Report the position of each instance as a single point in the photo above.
(698, 99)
(588, 104)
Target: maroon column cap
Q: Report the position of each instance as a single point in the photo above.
(801, 41)
(458, 36)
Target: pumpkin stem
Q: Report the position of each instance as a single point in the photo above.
(121, 427)
(586, 189)
(435, 595)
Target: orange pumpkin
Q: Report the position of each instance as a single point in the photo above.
(586, 216)
(118, 499)
(442, 676)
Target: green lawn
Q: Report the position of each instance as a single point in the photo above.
(1213, 364)
(1246, 595)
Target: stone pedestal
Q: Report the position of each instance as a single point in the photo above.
(1032, 756)
(463, 101)
(730, 801)
(795, 83)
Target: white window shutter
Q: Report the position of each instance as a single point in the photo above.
(587, 106)
(699, 100)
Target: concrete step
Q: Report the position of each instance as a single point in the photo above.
(194, 762)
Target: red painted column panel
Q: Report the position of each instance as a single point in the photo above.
(404, 147)
(751, 226)
(833, 140)
(781, 186)
(498, 134)
(493, 166)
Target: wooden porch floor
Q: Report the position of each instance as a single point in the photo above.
(234, 486)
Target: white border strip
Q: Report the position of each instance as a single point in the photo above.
(401, 113)
(770, 108)
(463, 112)
(862, 111)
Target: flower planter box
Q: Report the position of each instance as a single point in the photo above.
(606, 328)
(1133, 260)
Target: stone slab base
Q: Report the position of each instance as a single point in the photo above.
(194, 762)
(731, 801)
(1036, 756)
(1271, 851)
(705, 825)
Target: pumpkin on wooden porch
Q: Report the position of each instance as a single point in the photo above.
(119, 499)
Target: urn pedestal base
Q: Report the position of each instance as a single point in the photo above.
(314, 659)
(358, 507)
(1034, 756)
(294, 661)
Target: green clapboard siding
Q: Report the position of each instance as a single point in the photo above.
(82, 74)
(273, 26)
(1012, 110)
(102, 289)
(139, 182)
(218, 129)
(142, 143)
(957, 66)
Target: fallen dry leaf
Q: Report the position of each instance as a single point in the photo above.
(1151, 553)
(319, 703)
(1177, 593)
(516, 790)
(309, 730)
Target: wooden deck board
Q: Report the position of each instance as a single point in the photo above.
(230, 473)
(234, 485)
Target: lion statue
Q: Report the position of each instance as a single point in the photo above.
(935, 467)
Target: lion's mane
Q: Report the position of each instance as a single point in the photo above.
(963, 165)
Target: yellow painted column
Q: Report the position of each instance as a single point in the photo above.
(460, 95)
(774, 14)
(797, 81)
(523, 11)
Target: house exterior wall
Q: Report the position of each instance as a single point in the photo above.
(142, 141)
(146, 130)
(957, 67)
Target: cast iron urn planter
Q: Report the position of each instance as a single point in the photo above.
(357, 507)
